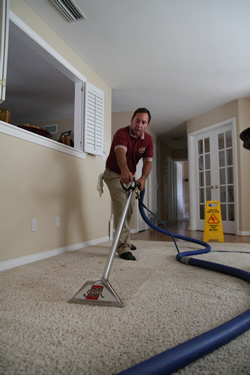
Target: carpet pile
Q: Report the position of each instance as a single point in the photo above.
(166, 303)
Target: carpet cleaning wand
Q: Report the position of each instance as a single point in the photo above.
(101, 292)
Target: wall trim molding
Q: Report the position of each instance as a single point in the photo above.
(134, 231)
(12, 263)
(20, 133)
(239, 233)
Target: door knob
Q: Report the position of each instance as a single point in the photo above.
(212, 186)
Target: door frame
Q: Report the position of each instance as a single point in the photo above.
(153, 184)
(150, 197)
(172, 214)
(141, 224)
(192, 171)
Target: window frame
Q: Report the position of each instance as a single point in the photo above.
(81, 100)
(48, 53)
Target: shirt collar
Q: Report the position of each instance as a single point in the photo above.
(132, 135)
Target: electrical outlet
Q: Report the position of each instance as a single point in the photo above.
(34, 225)
(58, 221)
(104, 155)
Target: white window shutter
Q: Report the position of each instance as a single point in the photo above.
(94, 120)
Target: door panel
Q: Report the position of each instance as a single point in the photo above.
(204, 174)
(215, 159)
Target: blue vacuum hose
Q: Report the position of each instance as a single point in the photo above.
(181, 355)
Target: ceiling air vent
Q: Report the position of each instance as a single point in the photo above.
(69, 9)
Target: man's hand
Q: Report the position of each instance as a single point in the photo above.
(126, 177)
(142, 182)
(147, 165)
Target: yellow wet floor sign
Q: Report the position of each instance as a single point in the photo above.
(213, 222)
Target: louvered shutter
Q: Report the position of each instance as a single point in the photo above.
(94, 120)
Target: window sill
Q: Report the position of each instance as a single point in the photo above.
(14, 131)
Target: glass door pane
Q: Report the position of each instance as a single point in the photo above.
(204, 174)
(226, 175)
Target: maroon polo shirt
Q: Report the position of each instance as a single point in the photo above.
(135, 149)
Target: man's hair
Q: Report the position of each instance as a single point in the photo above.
(142, 110)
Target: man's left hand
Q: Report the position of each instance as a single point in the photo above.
(142, 182)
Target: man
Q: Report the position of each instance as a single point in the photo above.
(129, 145)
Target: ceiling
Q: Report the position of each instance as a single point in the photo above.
(179, 58)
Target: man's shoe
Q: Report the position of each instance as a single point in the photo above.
(132, 247)
(128, 256)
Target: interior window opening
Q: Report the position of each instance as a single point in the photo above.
(40, 97)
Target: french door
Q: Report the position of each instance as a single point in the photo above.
(215, 175)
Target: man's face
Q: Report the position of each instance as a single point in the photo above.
(139, 124)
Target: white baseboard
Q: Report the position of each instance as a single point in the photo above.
(240, 233)
(12, 263)
(133, 231)
(243, 233)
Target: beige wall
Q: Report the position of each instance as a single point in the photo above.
(37, 182)
(240, 109)
(214, 116)
(120, 119)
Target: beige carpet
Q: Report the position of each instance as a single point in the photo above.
(166, 303)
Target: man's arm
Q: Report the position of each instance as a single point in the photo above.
(121, 157)
(147, 165)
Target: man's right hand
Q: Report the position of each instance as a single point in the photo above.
(126, 177)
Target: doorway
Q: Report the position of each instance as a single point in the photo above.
(178, 194)
(182, 191)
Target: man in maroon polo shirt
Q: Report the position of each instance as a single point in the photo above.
(129, 145)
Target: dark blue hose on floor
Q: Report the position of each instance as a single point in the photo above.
(181, 355)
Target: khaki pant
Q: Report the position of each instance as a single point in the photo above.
(119, 197)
